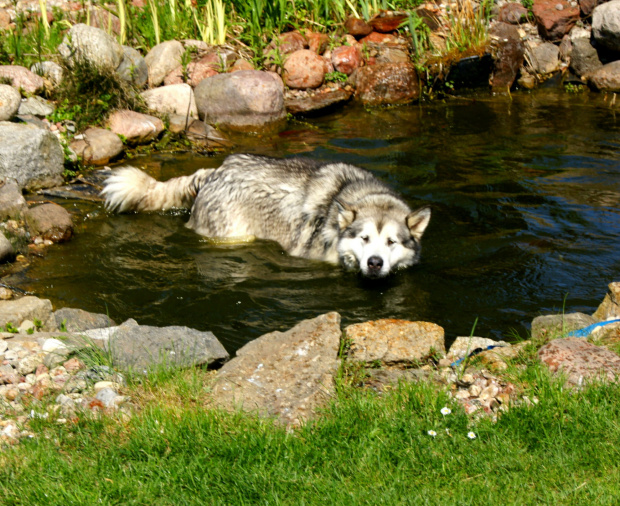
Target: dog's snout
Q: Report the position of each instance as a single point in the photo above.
(375, 263)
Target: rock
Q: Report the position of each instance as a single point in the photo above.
(241, 65)
(545, 58)
(28, 364)
(317, 42)
(163, 59)
(178, 123)
(287, 375)
(10, 100)
(78, 320)
(90, 45)
(6, 249)
(463, 346)
(52, 345)
(610, 307)
(133, 68)
(12, 202)
(588, 6)
(387, 21)
(193, 73)
(513, 13)
(584, 58)
(49, 221)
(508, 55)
(103, 18)
(137, 128)
(27, 308)
(206, 136)
(606, 25)
(32, 156)
(97, 146)
(552, 326)
(580, 360)
(606, 78)
(346, 59)
(22, 79)
(36, 106)
(394, 341)
(357, 27)
(175, 99)
(379, 38)
(5, 20)
(286, 43)
(388, 54)
(387, 83)
(141, 347)
(247, 101)
(304, 69)
(100, 385)
(554, 23)
(316, 101)
(49, 70)
(107, 396)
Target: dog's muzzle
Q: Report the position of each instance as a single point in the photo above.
(375, 263)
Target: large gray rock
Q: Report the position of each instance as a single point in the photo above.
(464, 346)
(84, 43)
(141, 347)
(163, 59)
(10, 99)
(78, 320)
(173, 99)
(97, 146)
(12, 202)
(394, 341)
(22, 79)
(552, 326)
(606, 25)
(27, 308)
(32, 156)
(287, 375)
(584, 58)
(133, 67)
(580, 361)
(246, 101)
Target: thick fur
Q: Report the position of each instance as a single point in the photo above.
(333, 212)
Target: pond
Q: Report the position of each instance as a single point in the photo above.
(525, 195)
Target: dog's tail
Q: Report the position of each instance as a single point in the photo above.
(130, 189)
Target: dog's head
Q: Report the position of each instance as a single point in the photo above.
(378, 240)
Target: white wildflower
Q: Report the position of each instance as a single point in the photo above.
(445, 411)
(432, 433)
(471, 435)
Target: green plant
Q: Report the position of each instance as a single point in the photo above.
(419, 32)
(336, 77)
(9, 327)
(469, 23)
(575, 88)
(38, 324)
(63, 325)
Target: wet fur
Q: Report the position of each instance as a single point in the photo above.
(314, 210)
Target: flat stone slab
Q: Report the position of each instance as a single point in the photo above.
(580, 361)
(316, 101)
(78, 320)
(394, 341)
(139, 348)
(463, 346)
(287, 375)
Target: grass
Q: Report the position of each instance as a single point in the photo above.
(365, 449)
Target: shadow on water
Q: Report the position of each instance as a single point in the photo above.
(525, 196)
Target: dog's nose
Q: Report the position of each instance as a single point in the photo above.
(375, 263)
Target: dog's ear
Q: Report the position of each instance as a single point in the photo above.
(346, 214)
(417, 221)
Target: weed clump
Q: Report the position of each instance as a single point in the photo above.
(88, 94)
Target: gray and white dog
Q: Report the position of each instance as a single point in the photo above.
(332, 212)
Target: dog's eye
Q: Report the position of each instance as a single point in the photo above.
(390, 242)
(364, 238)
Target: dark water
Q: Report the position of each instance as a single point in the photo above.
(526, 202)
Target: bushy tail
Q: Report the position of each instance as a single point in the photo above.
(130, 189)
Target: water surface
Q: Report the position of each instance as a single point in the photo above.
(526, 221)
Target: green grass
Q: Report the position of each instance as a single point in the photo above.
(365, 449)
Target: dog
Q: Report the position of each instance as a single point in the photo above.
(333, 212)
